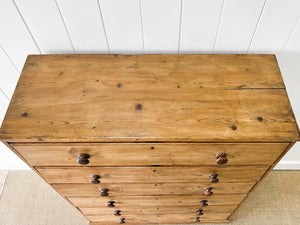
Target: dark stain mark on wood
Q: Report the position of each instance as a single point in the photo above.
(164, 61)
(139, 107)
(178, 86)
(115, 55)
(25, 114)
(154, 171)
(94, 127)
(61, 73)
(97, 80)
(260, 118)
(69, 56)
(152, 147)
(119, 85)
(233, 127)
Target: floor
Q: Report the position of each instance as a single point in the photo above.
(27, 200)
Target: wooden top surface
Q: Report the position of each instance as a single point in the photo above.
(142, 98)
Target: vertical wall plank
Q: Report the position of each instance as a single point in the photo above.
(14, 36)
(199, 25)
(275, 26)
(84, 23)
(161, 25)
(293, 43)
(122, 21)
(237, 25)
(45, 23)
(3, 106)
(8, 74)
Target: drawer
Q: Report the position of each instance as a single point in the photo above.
(117, 175)
(159, 210)
(142, 154)
(153, 189)
(168, 218)
(162, 200)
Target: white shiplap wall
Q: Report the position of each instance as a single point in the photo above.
(148, 26)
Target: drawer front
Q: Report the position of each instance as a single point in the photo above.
(204, 189)
(162, 200)
(117, 175)
(168, 218)
(159, 210)
(140, 154)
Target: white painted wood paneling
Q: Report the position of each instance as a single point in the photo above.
(8, 74)
(237, 25)
(3, 106)
(199, 25)
(46, 25)
(84, 22)
(161, 25)
(293, 43)
(14, 36)
(122, 21)
(275, 26)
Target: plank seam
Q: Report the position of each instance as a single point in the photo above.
(180, 25)
(257, 25)
(142, 25)
(29, 31)
(104, 29)
(218, 27)
(65, 26)
(291, 33)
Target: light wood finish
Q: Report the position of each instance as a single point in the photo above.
(164, 200)
(167, 218)
(116, 175)
(153, 189)
(83, 98)
(158, 210)
(151, 134)
(151, 154)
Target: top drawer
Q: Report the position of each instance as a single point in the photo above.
(143, 154)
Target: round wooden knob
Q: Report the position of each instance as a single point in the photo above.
(117, 212)
(199, 212)
(122, 220)
(83, 158)
(208, 191)
(221, 158)
(110, 204)
(204, 203)
(95, 179)
(197, 219)
(103, 192)
(213, 178)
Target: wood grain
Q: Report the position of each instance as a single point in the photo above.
(167, 218)
(59, 97)
(164, 200)
(116, 175)
(158, 210)
(115, 154)
(71, 190)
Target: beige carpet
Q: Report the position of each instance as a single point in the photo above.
(28, 200)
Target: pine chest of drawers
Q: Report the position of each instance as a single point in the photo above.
(151, 139)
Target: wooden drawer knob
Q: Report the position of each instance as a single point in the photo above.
(83, 158)
(95, 179)
(111, 204)
(199, 212)
(213, 178)
(103, 192)
(221, 158)
(117, 212)
(208, 191)
(204, 203)
(122, 220)
(197, 219)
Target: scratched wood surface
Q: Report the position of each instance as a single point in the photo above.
(139, 98)
(116, 175)
(143, 154)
